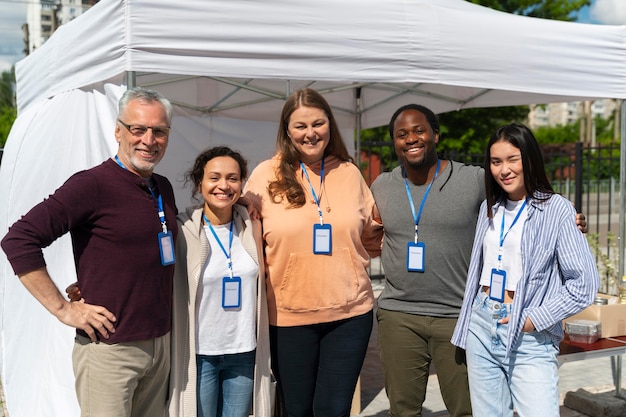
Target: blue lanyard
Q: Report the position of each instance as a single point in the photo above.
(503, 235)
(417, 217)
(317, 201)
(158, 199)
(219, 242)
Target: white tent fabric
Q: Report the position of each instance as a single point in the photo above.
(228, 66)
(449, 54)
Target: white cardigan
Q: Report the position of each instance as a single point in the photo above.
(192, 251)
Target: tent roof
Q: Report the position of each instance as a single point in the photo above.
(241, 58)
(227, 65)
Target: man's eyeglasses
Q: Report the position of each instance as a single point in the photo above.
(159, 132)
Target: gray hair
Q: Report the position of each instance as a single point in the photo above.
(148, 96)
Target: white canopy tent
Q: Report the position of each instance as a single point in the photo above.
(227, 66)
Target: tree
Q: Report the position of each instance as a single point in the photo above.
(467, 131)
(599, 159)
(558, 134)
(566, 10)
(8, 111)
(7, 117)
(570, 133)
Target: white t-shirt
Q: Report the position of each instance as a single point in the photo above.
(511, 248)
(221, 330)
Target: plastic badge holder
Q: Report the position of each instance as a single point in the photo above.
(583, 331)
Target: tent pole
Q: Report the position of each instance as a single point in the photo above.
(131, 79)
(622, 190)
(357, 147)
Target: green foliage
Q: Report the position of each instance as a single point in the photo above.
(376, 134)
(7, 117)
(558, 134)
(468, 131)
(571, 133)
(7, 93)
(566, 10)
(377, 141)
(606, 259)
(602, 163)
(605, 130)
(461, 132)
(8, 111)
(599, 161)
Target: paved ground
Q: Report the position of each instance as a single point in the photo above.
(595, 375)
(2, 404)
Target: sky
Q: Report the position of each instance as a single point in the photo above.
(13, 15)
(604, 12)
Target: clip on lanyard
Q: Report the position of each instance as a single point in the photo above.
(231, 285)
(219, 242)
(317, 200)
(416, 251)
(417, 217)
(322, 233)
(497, 284)
(503, 235)
(166, 239)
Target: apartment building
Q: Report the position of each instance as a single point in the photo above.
(554, 114)
(43, 17)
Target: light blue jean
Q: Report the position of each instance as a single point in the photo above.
(224, 384)
(527, 380)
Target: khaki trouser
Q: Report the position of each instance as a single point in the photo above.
(127, 379)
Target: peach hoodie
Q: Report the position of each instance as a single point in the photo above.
(304, 288)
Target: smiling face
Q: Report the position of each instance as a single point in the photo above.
(507, 170)
(220, 188)
(141, 153)
(309, 131)
(415, 140)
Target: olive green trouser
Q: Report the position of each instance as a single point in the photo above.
(408, 344)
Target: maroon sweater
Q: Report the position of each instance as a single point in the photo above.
(114, 224)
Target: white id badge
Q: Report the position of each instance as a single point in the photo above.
(415, 257)
(231, 292)
(322, 239)
(166, 247)
(497, 285)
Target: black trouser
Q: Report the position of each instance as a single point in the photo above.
(317, 366)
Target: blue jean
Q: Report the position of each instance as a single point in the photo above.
(224, 384)
(317, 366)
(526, 381)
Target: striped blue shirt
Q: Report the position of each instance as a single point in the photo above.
(560, 276)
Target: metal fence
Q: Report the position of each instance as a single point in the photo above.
(587, 175)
